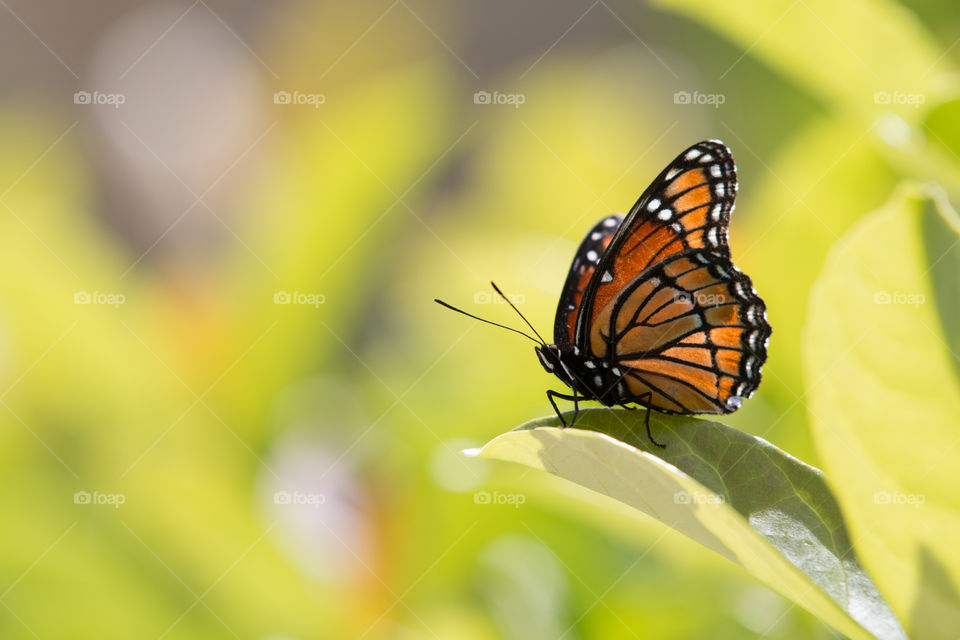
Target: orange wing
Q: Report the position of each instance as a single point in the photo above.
(687, 207)
(690, 336)
(666, 306)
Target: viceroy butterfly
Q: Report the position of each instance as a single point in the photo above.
(653, 311)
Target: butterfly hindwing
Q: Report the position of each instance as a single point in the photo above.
(690, 331)
(584, 263)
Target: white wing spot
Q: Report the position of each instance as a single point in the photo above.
(712, 236)
(597, 380)
(611, 222)
(596, 235)
(715, 170)
(717, 210)
(720, 190)
(693, 154)
(706, 158)
(607, 277)
(653, 205)
(592, 255)
(734, 403)
(676, 226)
(665, 214)
(589, 365)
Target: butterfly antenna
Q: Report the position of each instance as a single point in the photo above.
(453, 308)
(497, 289)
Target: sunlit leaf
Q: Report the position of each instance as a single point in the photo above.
(860, 55)
(732, 492)
(884, 401)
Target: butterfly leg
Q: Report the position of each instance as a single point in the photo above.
(643, 398)
(551, 394)
(576, 406)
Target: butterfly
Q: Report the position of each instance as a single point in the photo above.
(653, 311)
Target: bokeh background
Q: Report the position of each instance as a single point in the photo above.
(229, 406)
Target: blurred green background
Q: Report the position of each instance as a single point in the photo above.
(229, 406)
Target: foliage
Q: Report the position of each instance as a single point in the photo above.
(199, 400)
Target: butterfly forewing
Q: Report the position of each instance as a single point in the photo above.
(584, 264)
(688, 206)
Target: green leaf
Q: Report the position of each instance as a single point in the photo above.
(941, 227)
(941, 122)
(844, 52)
(732, 492)
(884, 400)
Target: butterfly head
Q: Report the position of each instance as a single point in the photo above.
(549, 355)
